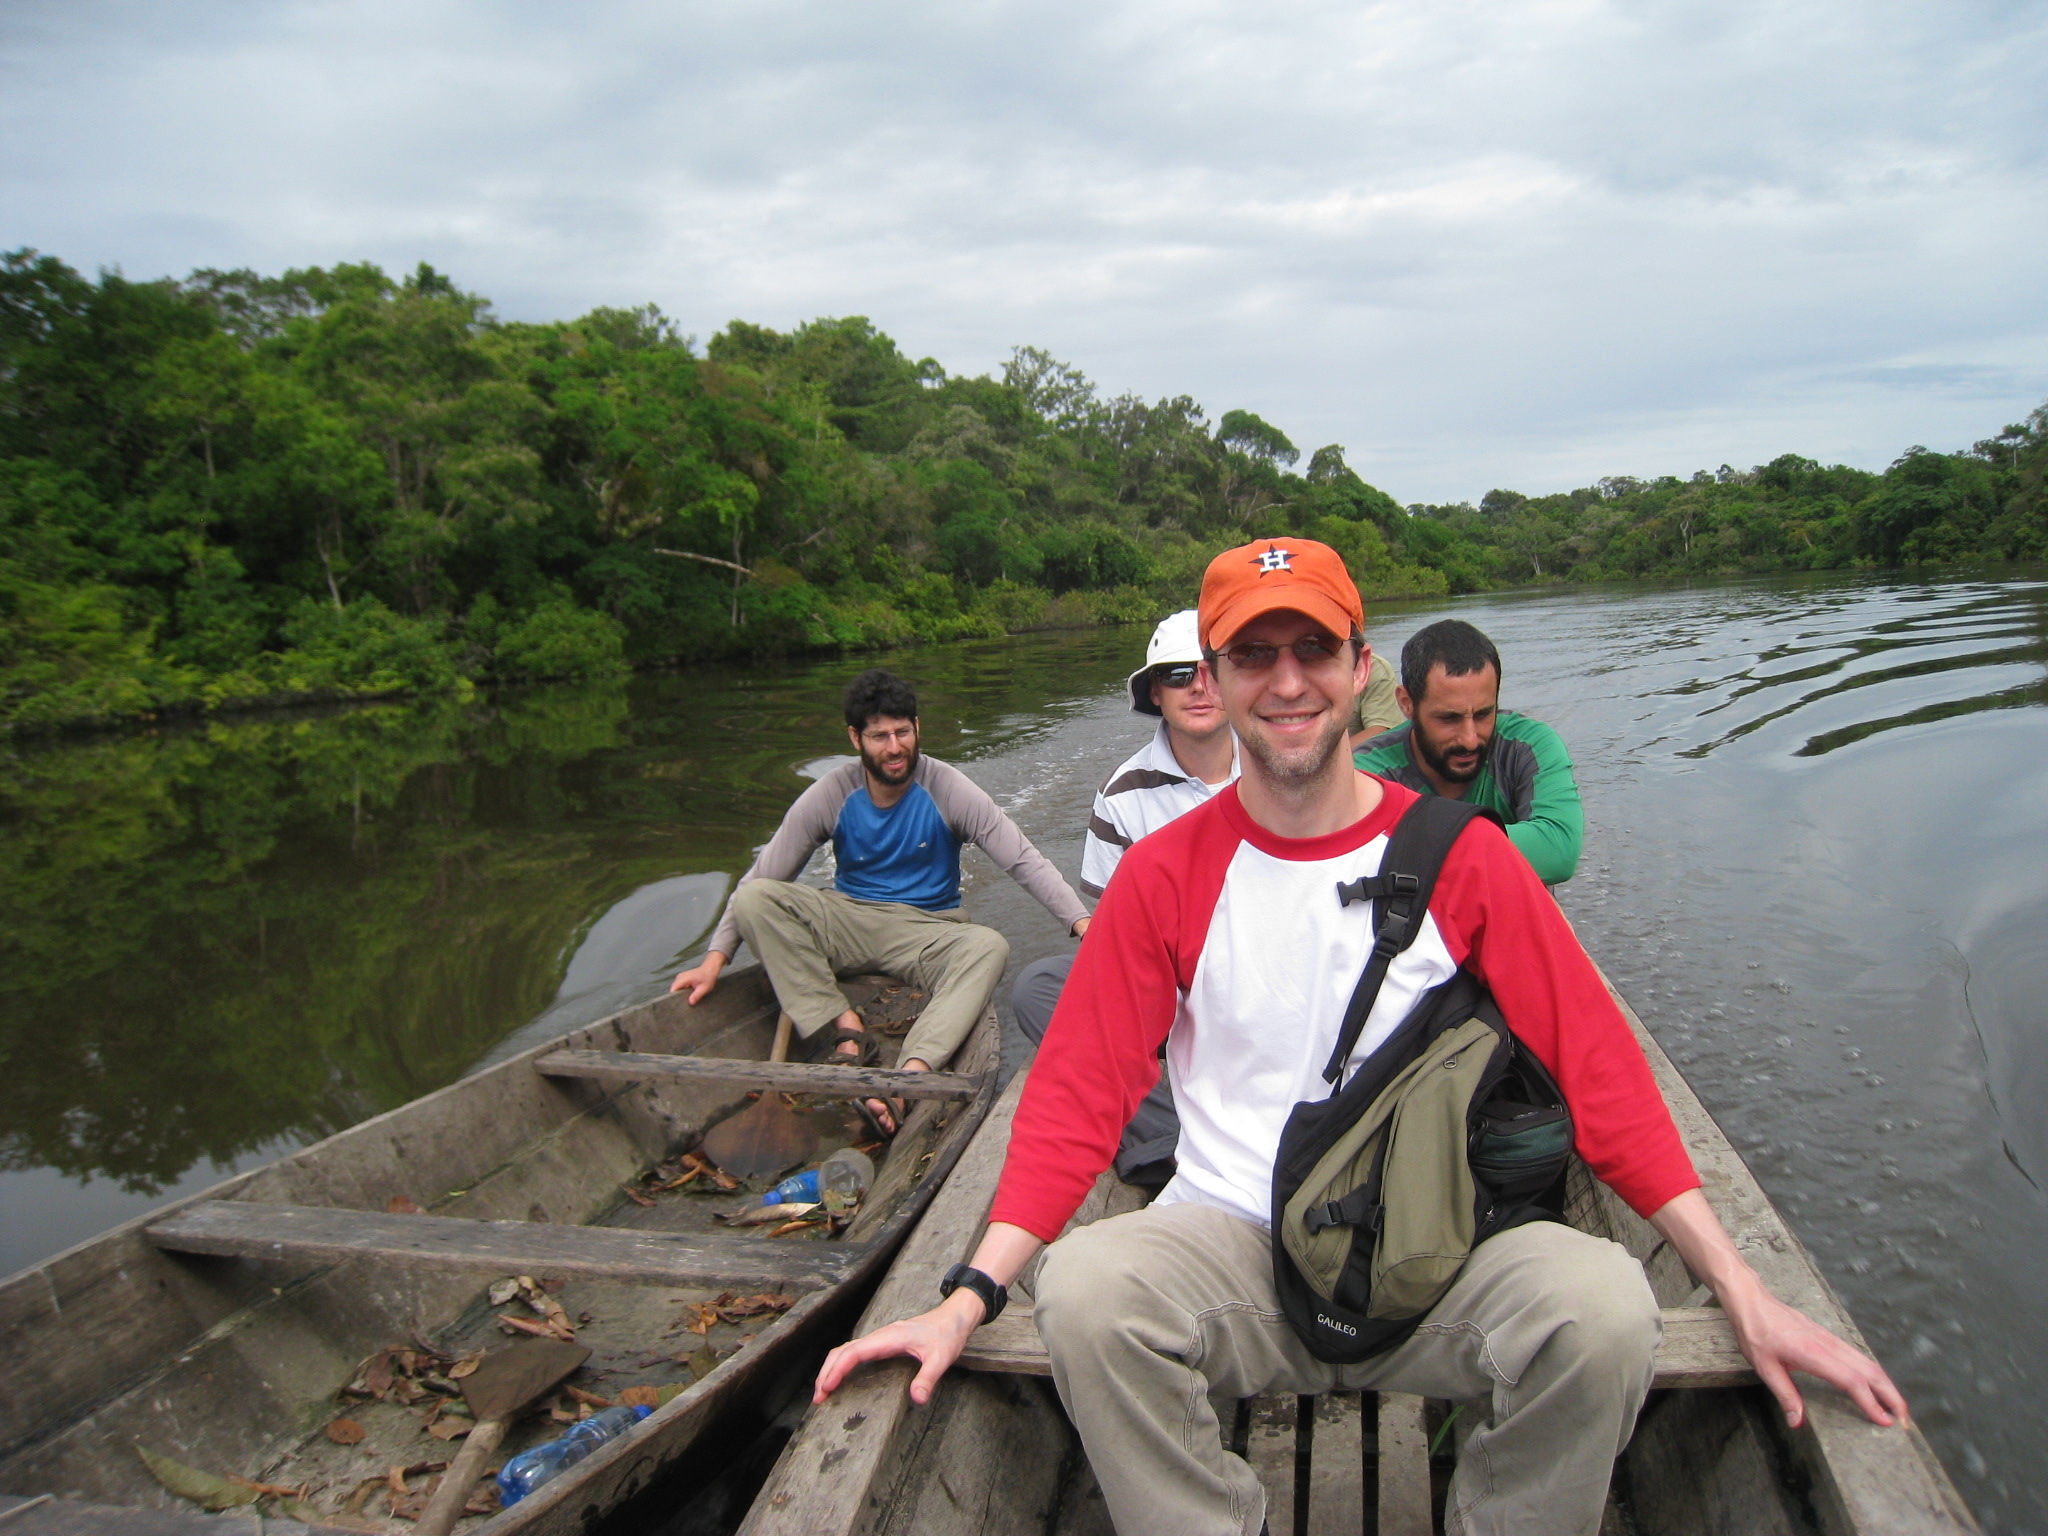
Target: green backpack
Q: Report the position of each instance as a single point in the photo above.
(1448, 1133)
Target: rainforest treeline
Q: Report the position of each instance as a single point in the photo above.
(234, 488)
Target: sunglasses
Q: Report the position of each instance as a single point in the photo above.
(1179, 675)
(1309, 650)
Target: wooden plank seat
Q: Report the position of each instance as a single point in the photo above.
(324, 1234)
(1698, 1350)
(822, 1079)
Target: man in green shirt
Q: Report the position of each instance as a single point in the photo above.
(1459, 742)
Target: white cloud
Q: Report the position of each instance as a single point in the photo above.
(1522, 244)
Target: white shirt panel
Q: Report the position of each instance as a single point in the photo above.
(1254, 1031)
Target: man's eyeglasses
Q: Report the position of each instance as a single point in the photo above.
(1179, 675)
(1309, 650)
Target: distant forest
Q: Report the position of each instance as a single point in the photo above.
(236, 489)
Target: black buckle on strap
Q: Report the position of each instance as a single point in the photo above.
(1356, 1209)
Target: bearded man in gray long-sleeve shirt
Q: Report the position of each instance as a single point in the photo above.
(896, 821)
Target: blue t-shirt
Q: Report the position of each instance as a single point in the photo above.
(906, 853)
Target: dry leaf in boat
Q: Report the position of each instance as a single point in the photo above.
(562, 1330)
(635, 1196)
(345, 1432)
(640, 1397)
(465, 1366)
(763, 1215)
(717, 1175)
(377, 1379)
(791, 1226)
(405, 1205)
(702, 1363)
(679, 1180)
(502, 1291)
(202, 1488)
(589, 1398)
(270, 1490)
(353, 1505)
(450, 1426)
(394, 1480)
(483, 1499)
(732, 1308)
(301, 1511)
(673, 1390)
(698, 1318)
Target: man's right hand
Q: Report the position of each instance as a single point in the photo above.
(700, 978)
(935, 1339)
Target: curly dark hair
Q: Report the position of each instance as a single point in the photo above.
(878, 691)
(1457, 645)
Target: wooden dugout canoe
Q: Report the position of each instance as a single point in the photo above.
(1711, 1456)
(219, 1330)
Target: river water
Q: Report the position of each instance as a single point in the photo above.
(1817, 811)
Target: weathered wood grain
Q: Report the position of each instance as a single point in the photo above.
(241, 1229)
(834, 1475)
(1336, 1504)
(43, 1516)
(820, 1079)
(1404, 1465)
(1700, 1465)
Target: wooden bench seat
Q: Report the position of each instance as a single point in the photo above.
(322, 1234)
(822, 1079)
(1698, 1350)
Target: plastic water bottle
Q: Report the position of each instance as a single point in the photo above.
(529, 1469)
(846, 1172)
(797, 1189)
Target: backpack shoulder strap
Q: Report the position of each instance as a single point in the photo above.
(1400, 894)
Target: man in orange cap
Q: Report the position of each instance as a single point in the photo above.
(1226, 936)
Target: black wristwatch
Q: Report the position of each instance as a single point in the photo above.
(966, 1277)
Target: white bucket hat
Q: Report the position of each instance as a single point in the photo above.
(1176, 641)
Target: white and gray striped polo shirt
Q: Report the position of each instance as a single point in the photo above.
(1149, 789)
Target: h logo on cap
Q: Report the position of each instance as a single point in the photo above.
(1274, 560)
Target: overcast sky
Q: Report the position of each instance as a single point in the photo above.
(1524, 243)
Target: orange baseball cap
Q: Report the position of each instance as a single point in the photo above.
(1298, 575)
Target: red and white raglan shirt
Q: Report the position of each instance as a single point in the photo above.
(1230, 944)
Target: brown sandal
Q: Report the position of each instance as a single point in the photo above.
(868, 1050)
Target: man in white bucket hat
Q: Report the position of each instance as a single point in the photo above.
(1190, 757)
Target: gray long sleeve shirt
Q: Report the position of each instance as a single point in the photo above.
(909, 852)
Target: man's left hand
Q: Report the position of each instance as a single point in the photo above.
(1778, 1339)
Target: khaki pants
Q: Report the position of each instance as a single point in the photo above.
(1147, 1316)
(807, 937)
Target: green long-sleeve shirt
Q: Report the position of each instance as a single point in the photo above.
(1527, 780)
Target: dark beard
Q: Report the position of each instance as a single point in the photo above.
(875, 769)
(1441, 766)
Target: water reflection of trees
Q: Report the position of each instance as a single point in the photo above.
(216, 938)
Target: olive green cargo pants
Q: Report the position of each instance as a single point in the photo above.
(807, 937)
(1150, 1315)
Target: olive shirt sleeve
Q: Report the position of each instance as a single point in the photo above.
(1550, 833)
(806, 826)
(1378, 709)
(977, 819)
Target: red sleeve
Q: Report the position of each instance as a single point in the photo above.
(1495, 915)
(1100, 1056)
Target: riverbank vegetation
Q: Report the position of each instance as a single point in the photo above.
(235, 489)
